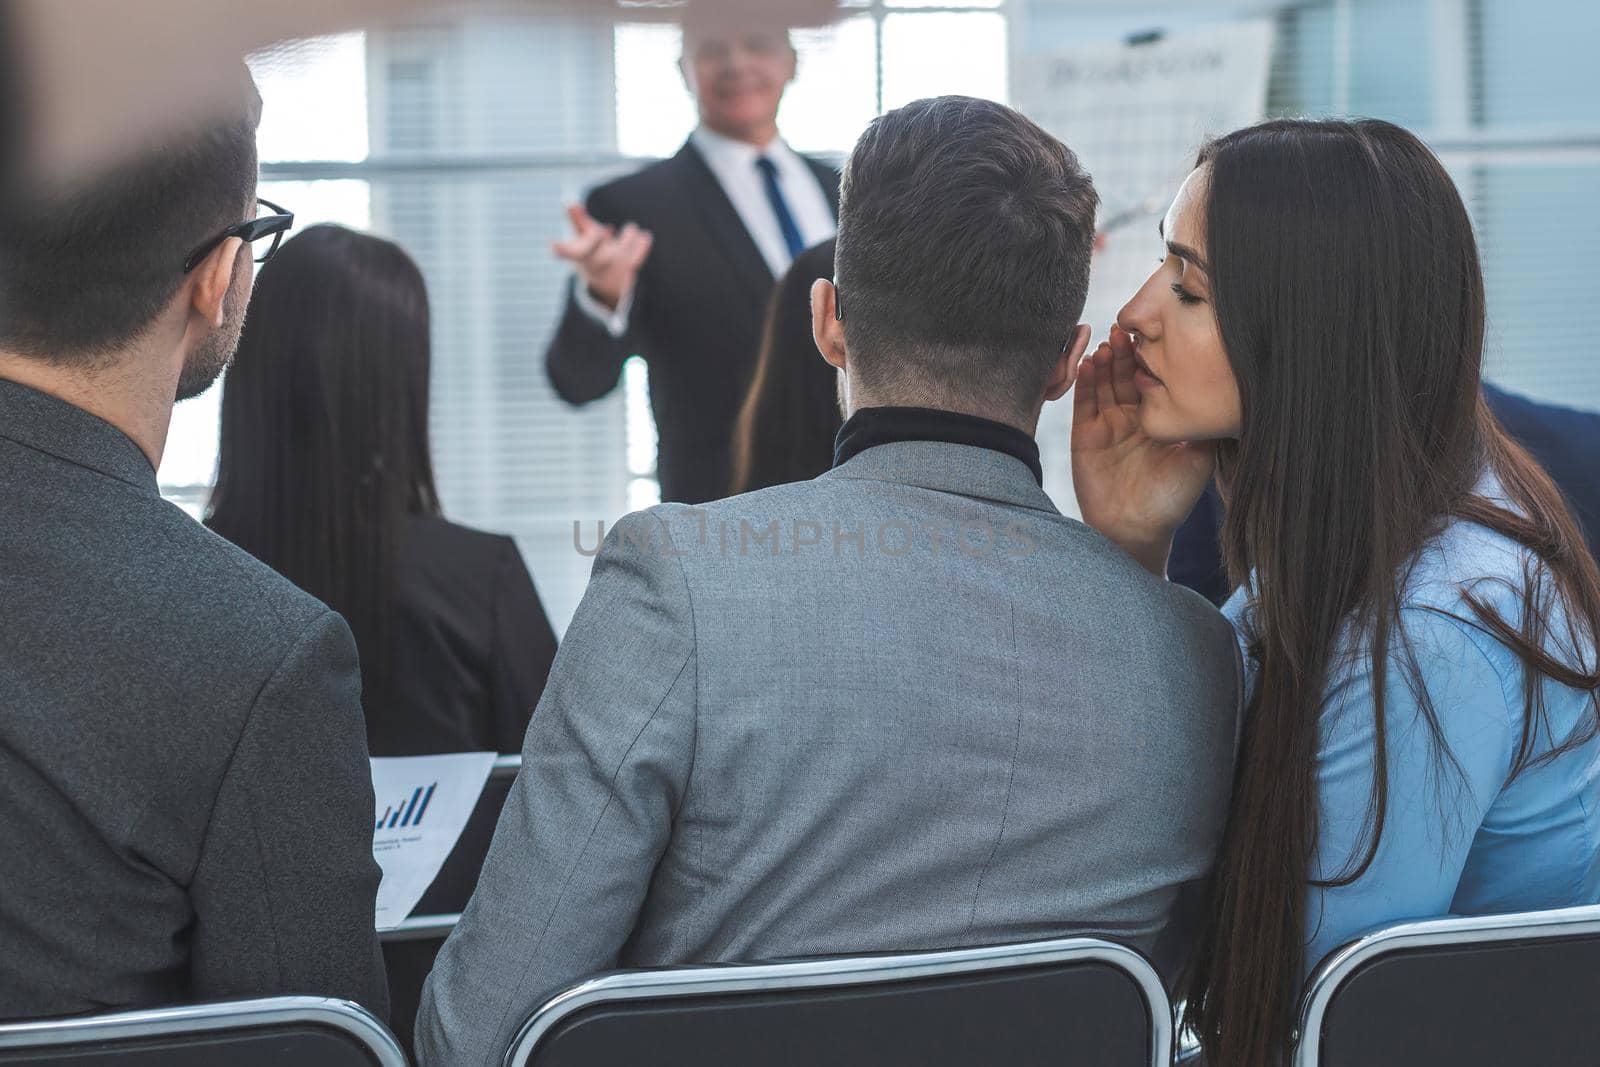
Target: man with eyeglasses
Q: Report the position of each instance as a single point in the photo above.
(677, 262)
(185, 796)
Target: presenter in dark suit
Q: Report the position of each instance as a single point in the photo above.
(185, 799)
(676, 262)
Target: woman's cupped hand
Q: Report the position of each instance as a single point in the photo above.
(1130, 487)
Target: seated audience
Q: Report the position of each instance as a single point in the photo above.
(786, 426)
(904, 705)
(1418, 609)
(325, 475)
(1565, 441)
(183, 771)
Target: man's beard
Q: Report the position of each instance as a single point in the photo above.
(207, 362)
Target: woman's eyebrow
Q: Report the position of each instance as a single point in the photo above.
(1188, 255)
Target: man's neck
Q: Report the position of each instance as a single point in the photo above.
(119, 389)
(758, 139)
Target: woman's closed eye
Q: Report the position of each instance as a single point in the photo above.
(1184, 296)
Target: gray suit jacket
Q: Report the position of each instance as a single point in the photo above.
(185, 799)
(906, 705)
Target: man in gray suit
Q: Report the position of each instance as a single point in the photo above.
(185, 798)
(906, 705)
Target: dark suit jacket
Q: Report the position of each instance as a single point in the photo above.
(1566, 442)
(472, 645)
(696, 318)
(183, 768)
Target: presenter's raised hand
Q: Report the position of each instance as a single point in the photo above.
(607, 259)
(1135, 490)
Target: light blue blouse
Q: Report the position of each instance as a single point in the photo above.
(1454, 842)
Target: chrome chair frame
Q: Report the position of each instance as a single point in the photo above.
(421, 928)
(1343, 962)
(195, 1019)
(838, 971)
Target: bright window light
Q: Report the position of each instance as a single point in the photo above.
(314, 99)
(639, 421)
(941, 53)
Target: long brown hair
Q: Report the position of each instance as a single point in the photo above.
(1350, 301)
(785, 429)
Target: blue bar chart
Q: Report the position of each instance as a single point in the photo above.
(409, 812)
(421, 805)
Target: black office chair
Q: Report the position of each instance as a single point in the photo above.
(1468, 992)
(1070, 1001)
(268, 1032)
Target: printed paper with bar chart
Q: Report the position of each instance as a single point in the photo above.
(423, 805)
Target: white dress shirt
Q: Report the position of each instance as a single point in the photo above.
(733, 164)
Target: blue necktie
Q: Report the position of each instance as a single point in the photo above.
(780, 207)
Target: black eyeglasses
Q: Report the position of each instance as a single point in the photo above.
(268, 227)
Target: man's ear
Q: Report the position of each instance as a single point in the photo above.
(1066, 368)
(827, 330)
(213, 278)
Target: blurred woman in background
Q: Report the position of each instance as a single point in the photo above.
(325, 475)
(1418, 611)
(790, 416)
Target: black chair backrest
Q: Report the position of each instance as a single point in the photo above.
(303, 1031)
(1472, 992)
(1071, 1001)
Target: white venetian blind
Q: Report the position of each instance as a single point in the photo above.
(486, 125)
(1501, 90)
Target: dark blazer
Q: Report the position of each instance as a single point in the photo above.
(696, 318)
(1565, 441)
(472, 645)
(183, 768)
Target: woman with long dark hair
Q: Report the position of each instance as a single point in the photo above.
(325, 475)
(790, 416)
(1418, 612)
